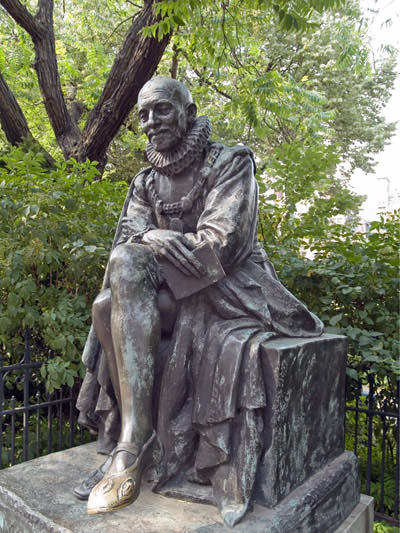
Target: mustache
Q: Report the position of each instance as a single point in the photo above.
(158, 131)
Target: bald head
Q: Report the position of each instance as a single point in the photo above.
(174, 88)
(166, 112)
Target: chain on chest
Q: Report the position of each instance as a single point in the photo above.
(187, 209)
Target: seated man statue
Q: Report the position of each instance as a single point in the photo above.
(188, 297)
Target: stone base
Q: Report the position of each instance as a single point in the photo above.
(36, 497)
(304, 417)
(361, 519)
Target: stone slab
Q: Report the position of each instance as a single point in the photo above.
(304, 417)
(361, 519)
(36, 497)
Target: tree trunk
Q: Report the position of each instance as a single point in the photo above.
(66, 131)
(13, 121)
(135, 64)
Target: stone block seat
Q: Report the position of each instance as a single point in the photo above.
(303, 436)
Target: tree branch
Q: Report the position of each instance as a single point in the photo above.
(22, 17)
(66, 131)
(13, 121)
(12, 118)
(40, 28)
(135, 63)
(174, 63)
(207, 81)
(131, 18)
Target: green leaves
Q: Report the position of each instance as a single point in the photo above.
(297, 16)
(57, 373)
(56, 229)
(173, 14)
(351, 281)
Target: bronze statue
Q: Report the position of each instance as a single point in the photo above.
(188, 297)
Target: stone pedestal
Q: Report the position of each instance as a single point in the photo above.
(36, 497)
(361, 519)
(306, 481)
(305, 384)
(303, 421)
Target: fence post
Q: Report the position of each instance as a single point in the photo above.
(370, 430)
(27, 375)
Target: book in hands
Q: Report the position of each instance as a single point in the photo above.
(182, 285)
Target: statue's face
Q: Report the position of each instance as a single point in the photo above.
(163, 116)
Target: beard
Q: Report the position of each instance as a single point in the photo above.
(174, 161)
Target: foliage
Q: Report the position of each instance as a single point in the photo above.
(88, 38)
(351, 282)
(56, 230)
(300, 194)
(305, 102)
(266, 72)
(381, 527)
(264, 86)
(293, 16)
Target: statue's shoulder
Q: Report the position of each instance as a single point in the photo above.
(226, 155)
(139, 181)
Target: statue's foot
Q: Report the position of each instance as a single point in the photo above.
(82, 492)
(121, 488)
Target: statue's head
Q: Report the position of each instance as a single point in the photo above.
(166, 112)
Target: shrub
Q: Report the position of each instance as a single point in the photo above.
(56, 229)
(352, 284)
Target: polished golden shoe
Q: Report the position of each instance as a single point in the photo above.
(118, 490)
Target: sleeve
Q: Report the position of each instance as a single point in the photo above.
(230, 215)
(139, 217)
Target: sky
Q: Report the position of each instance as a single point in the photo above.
(388, 165)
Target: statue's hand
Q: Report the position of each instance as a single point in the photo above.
(176, 248)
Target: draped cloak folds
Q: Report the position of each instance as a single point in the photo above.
(209, 387)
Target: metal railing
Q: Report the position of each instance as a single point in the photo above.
(373, 433)
(34, 422)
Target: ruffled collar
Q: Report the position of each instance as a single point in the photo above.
(180, 157)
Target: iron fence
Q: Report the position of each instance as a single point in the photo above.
(34, 422)
(373, 433)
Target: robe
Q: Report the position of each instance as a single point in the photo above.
(209, 389)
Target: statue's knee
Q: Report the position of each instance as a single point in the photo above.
(102, 304)
(131, 263)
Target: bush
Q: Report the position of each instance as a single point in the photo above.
(352, 284)
(56, 229)
(381, 527)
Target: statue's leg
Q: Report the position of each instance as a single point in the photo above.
(101, 319)
(135, 332)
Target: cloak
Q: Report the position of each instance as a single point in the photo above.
(209, 389)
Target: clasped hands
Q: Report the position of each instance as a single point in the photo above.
(170, 245)
(176, 248)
